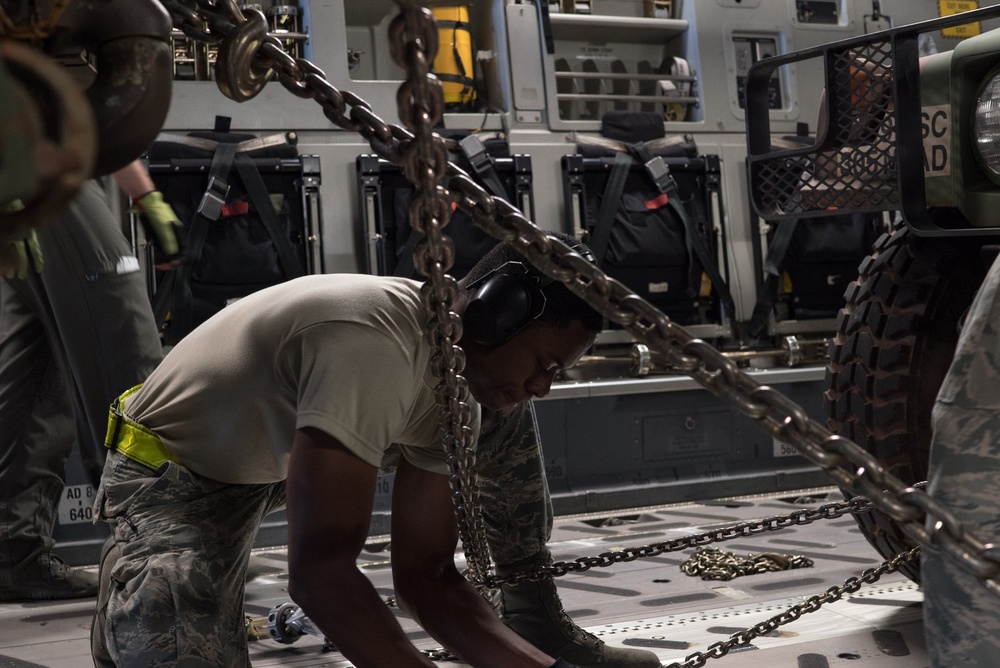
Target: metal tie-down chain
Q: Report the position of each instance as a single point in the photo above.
(414, 41)
(719, 649)
(244, 40)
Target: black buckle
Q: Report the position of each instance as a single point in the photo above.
(659, 171)
(214, 198)
(117, 417)
(475, 151)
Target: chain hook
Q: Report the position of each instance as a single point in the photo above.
(238, 77)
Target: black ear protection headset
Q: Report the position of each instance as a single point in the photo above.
(507, 299)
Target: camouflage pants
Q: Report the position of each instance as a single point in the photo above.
(962, 618)
(175, 594)
(517, 510)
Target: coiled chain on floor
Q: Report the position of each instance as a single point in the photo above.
(713, 564)
(244, 40)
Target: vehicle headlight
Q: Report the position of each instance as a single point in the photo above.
(986, 125)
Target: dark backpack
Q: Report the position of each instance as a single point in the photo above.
(645, 213)
(488, 162)
(240, 200)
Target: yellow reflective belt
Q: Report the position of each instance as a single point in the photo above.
(132, 439)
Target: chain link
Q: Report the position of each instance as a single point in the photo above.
(925, 520)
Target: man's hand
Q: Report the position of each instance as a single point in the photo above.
(161, 218)
(17, 254)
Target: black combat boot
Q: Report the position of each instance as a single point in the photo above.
(48, 578)
(533, 611)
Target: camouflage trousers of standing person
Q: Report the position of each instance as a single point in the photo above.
(197, 531)
(961, 616)
(517, 509)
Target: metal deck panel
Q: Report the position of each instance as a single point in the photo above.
(647, 602)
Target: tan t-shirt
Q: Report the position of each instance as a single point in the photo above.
(344, 353)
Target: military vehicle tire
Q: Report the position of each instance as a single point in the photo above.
(897, 335)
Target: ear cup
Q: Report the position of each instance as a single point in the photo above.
(500, 306)
(505, 300)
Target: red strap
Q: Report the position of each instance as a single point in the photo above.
(657, 202)
(237, 208)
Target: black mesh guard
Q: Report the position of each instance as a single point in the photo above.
(868, 154)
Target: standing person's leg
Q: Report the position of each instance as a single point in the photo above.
(517, 512)
(517, 508)
(175, 590)
(101, 309)
(961, 616)
(36, 436)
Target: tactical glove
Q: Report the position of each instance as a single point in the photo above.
(161, 218)
(20, 252)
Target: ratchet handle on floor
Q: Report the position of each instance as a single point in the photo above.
(286, 623)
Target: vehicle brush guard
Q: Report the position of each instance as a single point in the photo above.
(869, 151)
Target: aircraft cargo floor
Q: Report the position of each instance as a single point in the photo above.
(649, 602)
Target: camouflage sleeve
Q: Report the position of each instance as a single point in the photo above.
(517, 510)
(961, 616)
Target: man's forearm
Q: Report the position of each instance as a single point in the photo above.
(134, 180)
(343, 604)
(328, 498)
